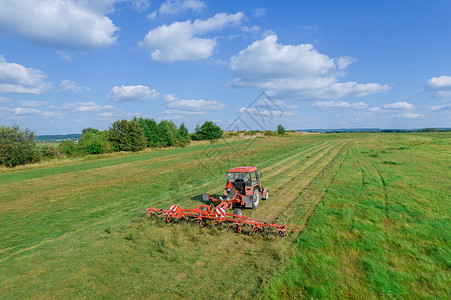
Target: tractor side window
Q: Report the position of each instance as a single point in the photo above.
(256, 175)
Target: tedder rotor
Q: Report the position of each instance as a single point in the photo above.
(243, 189)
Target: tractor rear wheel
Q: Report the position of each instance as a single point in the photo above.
(256, 198)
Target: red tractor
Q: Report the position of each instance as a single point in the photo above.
(243, 189)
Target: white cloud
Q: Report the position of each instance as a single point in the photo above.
(196, 105)
(441, 86)
(20, 112)
(70, 86)
(265, 113)
(398, 105)
(140, 5)
(60, 23)
(184, 112)
(33, 103)
(180, 42)
(298, 70)
(15, 78)
(175, 7)
(442, 82)
(251, 29)
(258, 12)
(132, 93)
(64, 56)
(115, 115)
(340, 104)
(408, 116)
(440, 107)
(86, 107)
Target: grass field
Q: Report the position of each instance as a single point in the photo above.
(374, 208)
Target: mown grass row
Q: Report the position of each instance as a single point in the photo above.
(383, 228)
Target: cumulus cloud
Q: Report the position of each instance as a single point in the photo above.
(129, 93)
(298, 70)
(70, 86)
(175, 7)
(441, 86)
(15, 78)
(398, 105)
(180, 41)
(81, 106)
(340, 104)
(59, 23)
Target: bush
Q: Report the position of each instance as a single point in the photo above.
(208, 131)
(94, 142)
(280, 129)
(270, 133)
(17, 146)
(126, 136)
(68, 147)
(49, 151)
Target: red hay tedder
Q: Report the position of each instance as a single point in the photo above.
(243, 189)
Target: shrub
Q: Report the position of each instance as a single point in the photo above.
(68, 147)
(280, 129)
(208, 131)
(49, 151)
(270, 133)
(17, 146)
(93, 142)
(126, 136)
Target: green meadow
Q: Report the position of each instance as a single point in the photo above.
(374, 207)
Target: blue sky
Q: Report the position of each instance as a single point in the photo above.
(66, 65)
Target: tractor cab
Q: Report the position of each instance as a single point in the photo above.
(242, 179)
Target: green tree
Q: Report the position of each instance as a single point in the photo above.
(280, 129)
(208, 131)
(89, 129)
(17, 146)
(167, 132)
(183, 137)
(127, 136)
(150, 131)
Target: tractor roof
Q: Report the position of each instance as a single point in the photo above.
(243, 170)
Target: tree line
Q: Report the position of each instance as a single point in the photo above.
(18, 146)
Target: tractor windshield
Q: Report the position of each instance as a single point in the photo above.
(233, 177)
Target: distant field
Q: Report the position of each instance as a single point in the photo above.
(375, 208)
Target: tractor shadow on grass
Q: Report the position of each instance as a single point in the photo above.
(198, 198)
